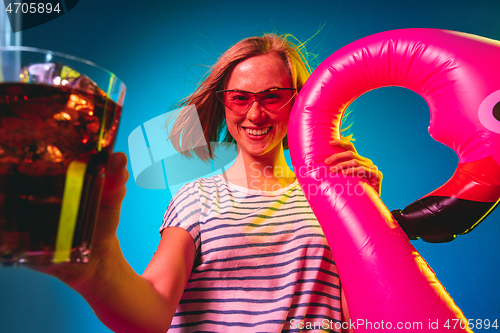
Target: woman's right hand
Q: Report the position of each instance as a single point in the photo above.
(105, 242)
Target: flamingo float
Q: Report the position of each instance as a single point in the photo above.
(384, 277)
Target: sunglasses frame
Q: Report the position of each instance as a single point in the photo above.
(220, 96)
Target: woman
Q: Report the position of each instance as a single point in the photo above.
(241, 250)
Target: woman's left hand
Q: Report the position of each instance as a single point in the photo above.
(349, 162)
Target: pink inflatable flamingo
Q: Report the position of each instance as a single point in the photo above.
(384, 277)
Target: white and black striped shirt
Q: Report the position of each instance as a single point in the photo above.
(262, 264)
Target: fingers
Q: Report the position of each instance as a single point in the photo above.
(116, 178)
(372, 174)
(116, 169)
(350, 163)
(342, 143)
(111, 200)
(349, 153)
(348, 156)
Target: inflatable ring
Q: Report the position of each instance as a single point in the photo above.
(457, 74)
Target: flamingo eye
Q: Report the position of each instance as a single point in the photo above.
(489, 112)
(496, 111)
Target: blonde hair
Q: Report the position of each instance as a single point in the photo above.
(187, 138)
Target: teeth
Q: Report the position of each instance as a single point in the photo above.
(258, 132)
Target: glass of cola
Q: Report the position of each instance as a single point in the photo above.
(59, 117)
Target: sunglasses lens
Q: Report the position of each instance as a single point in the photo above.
(237, 101)
(274, 100)
(240, 101)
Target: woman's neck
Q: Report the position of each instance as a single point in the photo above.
(265, 173)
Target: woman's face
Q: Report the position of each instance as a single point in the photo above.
(259, 132)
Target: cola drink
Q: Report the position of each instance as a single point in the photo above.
(45, 131)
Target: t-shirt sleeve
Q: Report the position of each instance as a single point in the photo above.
(184, 212)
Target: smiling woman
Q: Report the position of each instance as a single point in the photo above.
(276, 265)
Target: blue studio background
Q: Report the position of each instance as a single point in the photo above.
(160, 49)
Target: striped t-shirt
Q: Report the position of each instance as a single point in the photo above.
(262, 263)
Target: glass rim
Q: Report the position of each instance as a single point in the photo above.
(60, 54)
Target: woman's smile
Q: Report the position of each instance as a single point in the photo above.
(257, 131)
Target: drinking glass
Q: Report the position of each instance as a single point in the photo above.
(59, 117)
